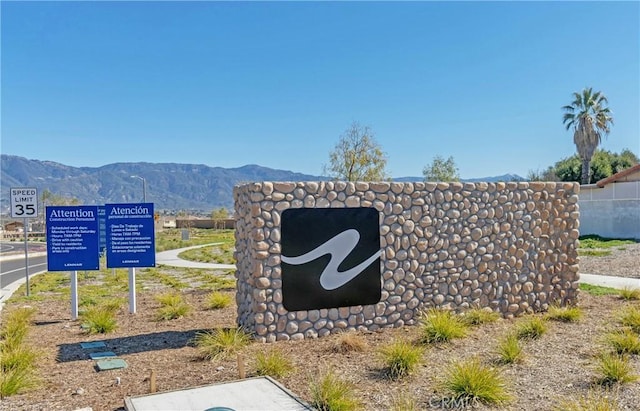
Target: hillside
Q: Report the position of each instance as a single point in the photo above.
(169, 186)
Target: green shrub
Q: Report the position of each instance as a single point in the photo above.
(221, 342)
(479, 316)
(20, 357)
(172, 306)
(274, 363)
(441, 326)
(531, 328)
(17, 360)
(99, 320)
(623, 341)
(630, 317)
(15, 327)
(16, 380)
(565, 314)
(628, 293)
(470, 380)
(217, 300)
(614, 368)
(400, 358)
(509, 349)
(330, 393)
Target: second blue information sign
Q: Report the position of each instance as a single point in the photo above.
(130, 235)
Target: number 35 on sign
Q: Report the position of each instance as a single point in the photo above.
(24, 202)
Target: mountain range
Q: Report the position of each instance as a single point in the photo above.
(169, 186)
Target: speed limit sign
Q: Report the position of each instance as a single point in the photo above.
(24, 202)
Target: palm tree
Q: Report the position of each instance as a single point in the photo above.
(589, 117)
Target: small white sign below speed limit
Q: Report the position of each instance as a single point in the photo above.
(24, 202)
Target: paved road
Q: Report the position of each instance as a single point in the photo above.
(16, 248)
(13, 273)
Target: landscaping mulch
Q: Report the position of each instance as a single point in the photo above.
(559, 366)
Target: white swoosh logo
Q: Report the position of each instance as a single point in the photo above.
(339, 248)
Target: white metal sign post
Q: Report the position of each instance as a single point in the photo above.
(24, 204)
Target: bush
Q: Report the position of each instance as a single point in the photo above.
(630, 317)
(623, 341)
(16, 380)
(628, 293)
(441, 326)
(222, 342)
(172, 306)
(479, 316)
(531, 328)
(509, 349)
(400, 358)
(470, 380)
(17, 360)
(16, 325)
(217, 300)
(99, 320)
(330, 393)
(274, 363)
(349, 341)
(614, 368)
(565, 314)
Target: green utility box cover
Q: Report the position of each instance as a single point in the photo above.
(111, 364)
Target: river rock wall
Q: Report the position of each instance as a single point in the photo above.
(511, 247)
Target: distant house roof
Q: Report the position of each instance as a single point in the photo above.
(630, 174)
(14, 225)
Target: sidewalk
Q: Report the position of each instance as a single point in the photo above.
(170, 257)
(608, 281)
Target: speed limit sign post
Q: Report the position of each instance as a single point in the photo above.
(24, 204)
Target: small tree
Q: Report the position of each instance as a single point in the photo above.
(218, 216)
(441, 170)
(357, 156)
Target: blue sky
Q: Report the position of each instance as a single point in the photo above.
(276, 83)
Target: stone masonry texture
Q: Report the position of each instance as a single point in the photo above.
(510, 247)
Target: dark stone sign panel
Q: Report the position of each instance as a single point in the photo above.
(330, 258)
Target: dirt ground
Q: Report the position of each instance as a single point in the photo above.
(559, 366)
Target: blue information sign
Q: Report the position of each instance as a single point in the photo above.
(130, 235)
(72, 238)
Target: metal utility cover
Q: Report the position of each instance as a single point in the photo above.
(261, 393)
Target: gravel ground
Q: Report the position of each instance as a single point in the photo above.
(560, 366)
(623, 262)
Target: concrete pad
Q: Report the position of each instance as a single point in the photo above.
(251, 394)
(101, 355)
(608, 281)
(111, 364)
(91, 345)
